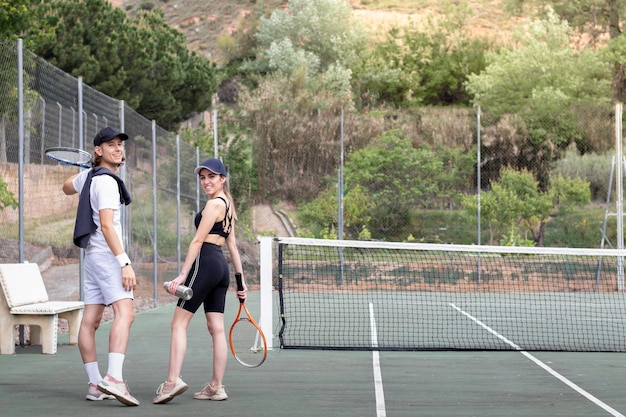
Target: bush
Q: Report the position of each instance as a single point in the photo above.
(595, 168)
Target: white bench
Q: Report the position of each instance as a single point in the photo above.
(25, 301)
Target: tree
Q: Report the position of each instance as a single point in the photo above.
(321, 214)
(541, 81)
(543, 68)
(396, 176)
(173, 83)
(383, 183)
(593, 19)
(515, 206)
(317, 35)
(324, 28)
(434, 61)
(143, 60)
(14, 17)
(296, 136)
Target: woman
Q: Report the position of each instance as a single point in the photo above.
(205, 270)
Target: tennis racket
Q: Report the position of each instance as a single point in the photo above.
(70, 156)
(247, 341)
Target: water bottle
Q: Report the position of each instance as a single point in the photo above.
(181, 291)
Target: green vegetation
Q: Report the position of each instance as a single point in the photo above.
(426, 63)
(14, 17)
(410, 94)
(516, 207)
(141, 60)
(384, 183)
(7, 199)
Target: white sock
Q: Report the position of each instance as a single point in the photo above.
(116, 363)
(93, 372)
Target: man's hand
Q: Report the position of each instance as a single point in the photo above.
(129, 282)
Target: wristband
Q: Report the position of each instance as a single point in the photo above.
(123, 260)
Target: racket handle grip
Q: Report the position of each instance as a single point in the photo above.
(239, 286)
(239, 281)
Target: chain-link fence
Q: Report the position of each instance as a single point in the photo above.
(56, 109)
(321, 157)
(408, 172)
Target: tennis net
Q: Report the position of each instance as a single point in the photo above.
(363, 295)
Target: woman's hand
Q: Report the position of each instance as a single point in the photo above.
(179, 280)
(243, 294)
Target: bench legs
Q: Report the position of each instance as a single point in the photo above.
(43, 331)
(73, 317)
(7, 337)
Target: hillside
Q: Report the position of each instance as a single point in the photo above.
(204, 22)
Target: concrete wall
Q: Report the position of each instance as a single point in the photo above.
(42, 191)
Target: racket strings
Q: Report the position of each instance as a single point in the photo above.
(247, 343)
(69, 155)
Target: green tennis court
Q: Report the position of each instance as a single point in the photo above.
(465, 321)
(549, 343)
(321, 382)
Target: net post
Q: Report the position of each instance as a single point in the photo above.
(265, 269)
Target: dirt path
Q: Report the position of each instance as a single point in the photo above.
(270, 221)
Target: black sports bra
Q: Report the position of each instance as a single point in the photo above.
(222, 228)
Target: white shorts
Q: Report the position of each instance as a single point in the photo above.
(103, 279)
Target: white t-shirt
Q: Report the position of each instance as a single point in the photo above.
(103, 194)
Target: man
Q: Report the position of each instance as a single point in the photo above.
(109, 275)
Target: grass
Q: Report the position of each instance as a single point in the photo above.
(54, 231)
(579, 229)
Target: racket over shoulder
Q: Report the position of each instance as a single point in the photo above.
(70, 156)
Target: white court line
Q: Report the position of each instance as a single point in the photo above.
(551, 371)
(378, 378)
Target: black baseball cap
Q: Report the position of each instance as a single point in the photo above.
(107, 134)
(213, 165)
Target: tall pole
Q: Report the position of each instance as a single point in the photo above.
(340, 203)
(20, 162)
(81, 145)
(340, 184)
(478, 183)
(155, 233)
(125, 218)
(619, 185)
(215, 150)
(478, 171)
(178, 205)
(197, 180)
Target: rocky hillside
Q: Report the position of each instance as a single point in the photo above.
(208, 23)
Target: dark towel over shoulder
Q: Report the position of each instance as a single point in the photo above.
(85, 225)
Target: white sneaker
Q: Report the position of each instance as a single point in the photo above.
(166, 391)
(118, 389)
(94, 394)
(211, 393)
